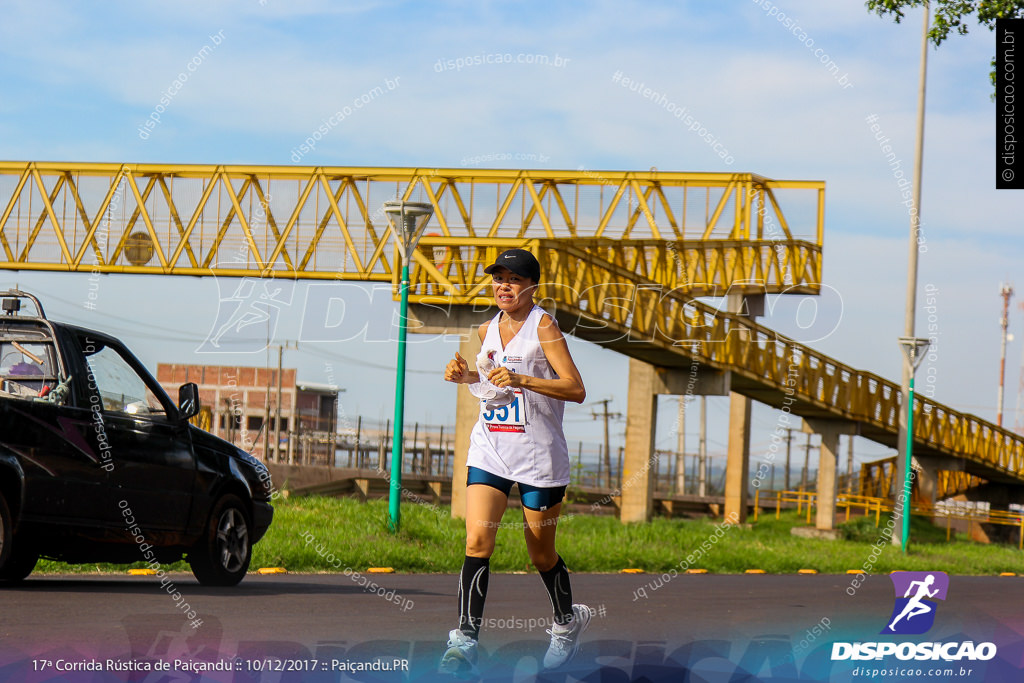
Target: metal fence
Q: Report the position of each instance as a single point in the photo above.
(429, 450)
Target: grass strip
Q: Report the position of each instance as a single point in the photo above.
(317, 534)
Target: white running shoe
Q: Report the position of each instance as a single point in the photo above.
(460, 657)
(565, 638)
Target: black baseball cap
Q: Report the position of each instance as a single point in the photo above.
(518, 261)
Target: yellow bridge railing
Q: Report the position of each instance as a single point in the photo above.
(807, 500)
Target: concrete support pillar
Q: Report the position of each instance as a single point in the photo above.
(467, 410)
(828, 459)
(641, 415)
(737, 466)
(927, 477)
(646, 381)
(926, 474)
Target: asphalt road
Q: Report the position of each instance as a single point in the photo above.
(296, 627)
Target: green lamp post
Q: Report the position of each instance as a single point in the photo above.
(407, 222)
(913, 351)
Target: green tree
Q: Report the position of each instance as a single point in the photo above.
(953, 15)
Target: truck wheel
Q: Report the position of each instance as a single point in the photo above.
(6, 534)
(17, 559)
(222, 556)
(20, 563)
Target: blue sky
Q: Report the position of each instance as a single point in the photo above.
(77, 82)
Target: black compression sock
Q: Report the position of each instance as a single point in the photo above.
(472, 593)
(556, 580)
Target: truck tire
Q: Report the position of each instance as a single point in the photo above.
(6, 531)
(17, 558)
(20, 563)
(222, 556)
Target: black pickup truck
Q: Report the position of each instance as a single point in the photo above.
(97, 464)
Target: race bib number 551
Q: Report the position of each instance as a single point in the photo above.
(506, 418)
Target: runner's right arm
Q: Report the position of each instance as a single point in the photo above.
(458, 370)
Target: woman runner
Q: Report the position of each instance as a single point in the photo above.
(518, 439)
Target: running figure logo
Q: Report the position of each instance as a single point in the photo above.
(247, 316)
(914, 612)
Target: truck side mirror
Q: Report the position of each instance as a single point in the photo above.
(188, 400)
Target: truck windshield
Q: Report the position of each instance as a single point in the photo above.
(120, 388)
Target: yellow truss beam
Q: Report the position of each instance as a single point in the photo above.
(325, 222)
(454, 266)
(876, 479)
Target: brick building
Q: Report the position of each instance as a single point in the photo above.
(241, 399)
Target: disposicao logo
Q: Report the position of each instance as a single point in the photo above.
(913, 614)
(916, 592)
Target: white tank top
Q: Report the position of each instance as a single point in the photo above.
(523, 441)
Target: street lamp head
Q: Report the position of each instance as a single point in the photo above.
(407, 221)
(913, 349)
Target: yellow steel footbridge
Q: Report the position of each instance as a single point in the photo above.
(624, 256)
